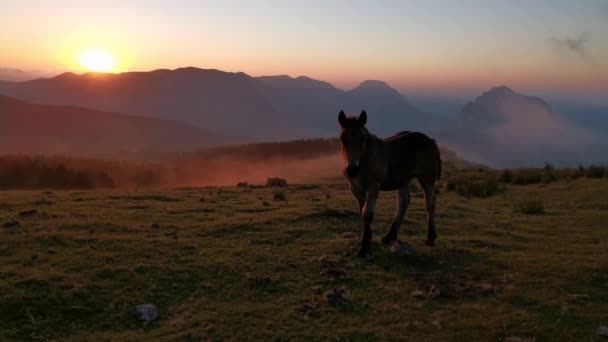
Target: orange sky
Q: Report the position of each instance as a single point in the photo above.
(449, 46)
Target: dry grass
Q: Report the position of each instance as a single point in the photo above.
(241, 265)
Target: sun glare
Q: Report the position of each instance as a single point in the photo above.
(97, 60)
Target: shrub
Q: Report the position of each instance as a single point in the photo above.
(279, 196)
(548, 174)
(579, 172)
(506, 176)
(528, 176)
(475, 187)
(276, 182)
(242, 185)
(596, 171)
(529, 207)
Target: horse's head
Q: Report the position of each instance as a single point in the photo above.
(353, 139)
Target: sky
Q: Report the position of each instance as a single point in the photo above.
(419, 47)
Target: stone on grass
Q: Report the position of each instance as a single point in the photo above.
(334, 272)
(334, 297)
(145, 312)
(28, 213)
(401, 248)
(11, 224)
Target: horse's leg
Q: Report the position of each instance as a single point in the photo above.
(403, 200)
(367, 215)
(428, 186)
(360, 196)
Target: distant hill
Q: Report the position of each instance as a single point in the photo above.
(314, 104)
(31, 129)
(231, 103)
(505, 128)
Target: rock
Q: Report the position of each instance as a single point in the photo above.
(308, 308)
(401, 248)
(28, 213)
(602, 330)
(334, 297)
(145, 312)
(11, 224)
(43, 202)
(434, 291)
(334, 272)
(417, 294)
(349, 235)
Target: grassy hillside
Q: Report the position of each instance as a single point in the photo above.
(256, 262)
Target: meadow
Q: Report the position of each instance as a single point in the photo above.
(279, 263)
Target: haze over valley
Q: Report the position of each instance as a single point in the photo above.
(190, 108)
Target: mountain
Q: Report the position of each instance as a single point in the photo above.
(31, 129)
(505, 128)
(272, 107)
(313, 104)
(212, 99)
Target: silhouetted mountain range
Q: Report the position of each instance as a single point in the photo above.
(232, 103)
(504, 128)
(33, 129)
(500, 127)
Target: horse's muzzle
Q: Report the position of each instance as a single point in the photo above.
(352, 171)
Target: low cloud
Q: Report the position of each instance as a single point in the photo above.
(578, 46)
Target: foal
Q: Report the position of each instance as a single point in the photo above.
(372, 164)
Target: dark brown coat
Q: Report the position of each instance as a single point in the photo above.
(372, 164)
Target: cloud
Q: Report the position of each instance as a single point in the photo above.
(573, 45)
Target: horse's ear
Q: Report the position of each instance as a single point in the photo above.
(342, 118)
(362, 118)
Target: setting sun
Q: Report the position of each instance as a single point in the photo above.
(97, 60)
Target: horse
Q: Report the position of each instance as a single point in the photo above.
(373, 164)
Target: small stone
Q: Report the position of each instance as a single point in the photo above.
(28, 213)
(43, 202)
(434, 291)
(401, 248)
(417, 294)
(602, 330)
(349, 235)
(334, 272)
(145, 312)
(334, 297)
(308, 308)
(11, 224)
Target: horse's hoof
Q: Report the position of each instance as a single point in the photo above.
(388, 240)
(363, 254)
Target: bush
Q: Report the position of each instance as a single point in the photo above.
(596, 171)
(475, 187)
(528, 176)
(506, 176)
(242, 185)
(279, 196)
(549, 174)
(578, 173)
(276, 182)
(529, 207)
